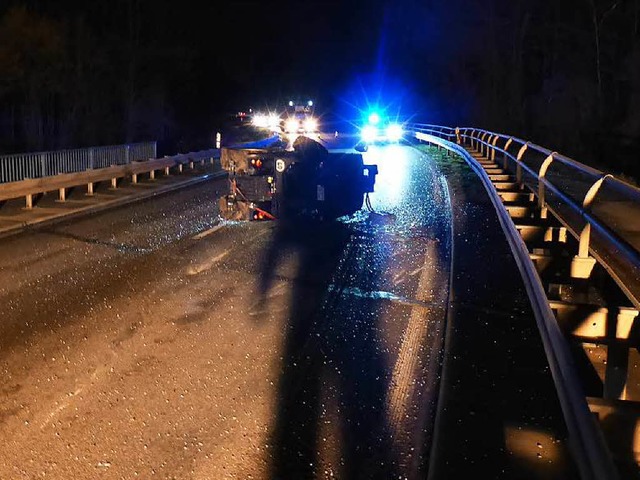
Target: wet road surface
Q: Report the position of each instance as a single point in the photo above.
(153, 341)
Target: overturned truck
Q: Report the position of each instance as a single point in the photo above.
(308, 182)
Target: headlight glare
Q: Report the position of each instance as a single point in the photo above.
(291, 125)
(369, 133)
(273, 120)
(310, 125)
(394, 132)
(259, 120)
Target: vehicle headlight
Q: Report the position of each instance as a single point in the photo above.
(394, 132)
(369, 133)
(310, 125)
(291, 125)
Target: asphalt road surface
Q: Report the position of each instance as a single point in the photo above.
(155, 341)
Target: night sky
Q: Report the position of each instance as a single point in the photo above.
(564, 73)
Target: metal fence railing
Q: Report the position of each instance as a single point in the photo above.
(592, 456)
(21, 166)
(601, 211)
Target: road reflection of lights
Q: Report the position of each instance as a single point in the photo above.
(531, 445)
(392, 180)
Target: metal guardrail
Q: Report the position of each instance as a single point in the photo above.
(586, 440)
(32, 186)
(22, 166)
(601, 211)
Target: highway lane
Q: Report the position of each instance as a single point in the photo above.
(151, 340)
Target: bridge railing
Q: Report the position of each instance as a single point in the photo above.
(22, 166)
(592, 456)
(601, 211)
(30, 187)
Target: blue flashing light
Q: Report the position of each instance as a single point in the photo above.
(374, 118)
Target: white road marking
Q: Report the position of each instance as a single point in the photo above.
(415, 272)
(196, 269)
(403, 384)
(206, 233)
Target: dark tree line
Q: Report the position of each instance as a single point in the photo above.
(564, 73)
(86, 74)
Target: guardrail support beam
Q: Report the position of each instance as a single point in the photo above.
(493, 150)
(541, 183)
(505, 158)
(582, 264)
(521, 153)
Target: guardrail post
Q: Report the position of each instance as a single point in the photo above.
(582, 264)
(218, 139)
(114, 183)
(541, 182)
(482, 143)
(134, 178)
(191, 165)
(152, 175)
(521, 153)
(166, 171)
(179, 168)
(29, 202)
(505, 164)
(62, 195)
(43, 165)
(90, 189)
(493, 150)
(472, 140)
(458, 135)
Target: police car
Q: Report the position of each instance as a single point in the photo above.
(381, 130)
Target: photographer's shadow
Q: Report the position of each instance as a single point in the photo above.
(328, 336)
